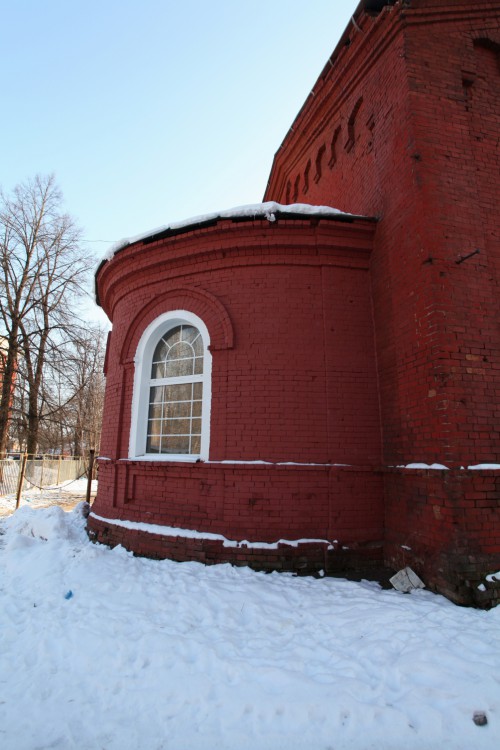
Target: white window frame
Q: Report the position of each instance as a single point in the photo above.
(142, 382)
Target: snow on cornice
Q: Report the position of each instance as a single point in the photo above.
(269, 210)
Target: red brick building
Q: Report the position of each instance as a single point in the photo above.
(294, 388)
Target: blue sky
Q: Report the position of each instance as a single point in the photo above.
(149, 111)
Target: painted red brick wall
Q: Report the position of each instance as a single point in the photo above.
(403, 124)
(288, 308)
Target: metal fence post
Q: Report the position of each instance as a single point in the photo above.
(91, 472)
(21, 480)
(41, 474)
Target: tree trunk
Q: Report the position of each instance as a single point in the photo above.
(8, 379)
(33, 427)
(34, 385)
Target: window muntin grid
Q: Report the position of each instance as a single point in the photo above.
(174, 419)
(178, 353)
(176, 393)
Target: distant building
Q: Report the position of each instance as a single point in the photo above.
(298, 389)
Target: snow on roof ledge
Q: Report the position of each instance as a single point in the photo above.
(252, 211)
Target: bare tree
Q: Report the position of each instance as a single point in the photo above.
(73, 400)
(89, 391)
(42, 272)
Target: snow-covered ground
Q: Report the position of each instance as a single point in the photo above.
(103, 650)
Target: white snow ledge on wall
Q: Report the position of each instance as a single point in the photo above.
(484, 467)
(433, 467)
(266, 210)
(174, 531)
(442, 467)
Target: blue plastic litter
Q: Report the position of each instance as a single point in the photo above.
(68, 595)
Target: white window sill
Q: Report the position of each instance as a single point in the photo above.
(165, 457)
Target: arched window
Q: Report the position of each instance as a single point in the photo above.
(171, 403)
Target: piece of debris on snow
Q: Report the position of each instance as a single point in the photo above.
(480, 718)
(406, 580)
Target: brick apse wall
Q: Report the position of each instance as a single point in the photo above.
(288, 308)
(402, 125)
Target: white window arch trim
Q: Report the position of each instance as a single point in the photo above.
(142, 382)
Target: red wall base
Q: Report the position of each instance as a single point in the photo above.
(305, 558)
(331, 515)
(445, 524)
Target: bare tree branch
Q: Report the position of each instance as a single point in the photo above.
(42, 273)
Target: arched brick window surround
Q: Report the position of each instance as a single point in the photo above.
(196, 307)
(197, 301)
